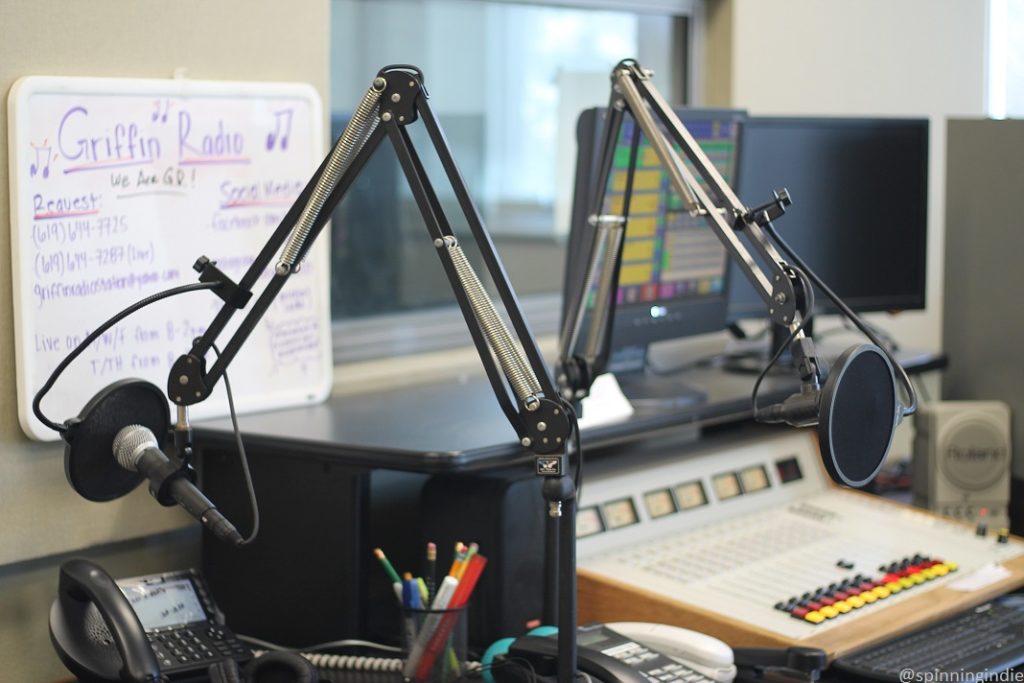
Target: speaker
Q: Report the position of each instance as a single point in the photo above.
(962, 454)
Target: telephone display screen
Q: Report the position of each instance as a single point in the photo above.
(168, 603)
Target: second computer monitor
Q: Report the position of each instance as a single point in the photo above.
(673, 275)
(860, 202)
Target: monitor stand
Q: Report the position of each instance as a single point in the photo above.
(644, 389)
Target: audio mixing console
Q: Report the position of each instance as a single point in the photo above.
(746, 539)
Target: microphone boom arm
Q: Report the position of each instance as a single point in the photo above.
(396, 99)
(535, 410)
(773, 279)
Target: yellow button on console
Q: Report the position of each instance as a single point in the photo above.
(868, 597)
(928, 574)
(842, 606)
(881, 592)
(917, 578)
(894, 587)
(906, 582)
(940, 570)
(952, 566)
(814, 617)
(856, 600)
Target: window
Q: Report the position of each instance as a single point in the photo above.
(507, 82)
(1005, 59)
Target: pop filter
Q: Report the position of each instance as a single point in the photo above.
(858, 415)
(89, 462)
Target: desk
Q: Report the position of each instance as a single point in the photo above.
(394, 469)
(456, 425)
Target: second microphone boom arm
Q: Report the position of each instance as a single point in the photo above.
(709, 196)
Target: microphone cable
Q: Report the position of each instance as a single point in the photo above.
(95, 334)
(808, 314)
(250, 489)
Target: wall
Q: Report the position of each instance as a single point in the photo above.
(43, 520)
(868, 58)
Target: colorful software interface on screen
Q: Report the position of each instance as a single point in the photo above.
(668, 254)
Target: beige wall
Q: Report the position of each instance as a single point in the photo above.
(42, 518)
(865, 58)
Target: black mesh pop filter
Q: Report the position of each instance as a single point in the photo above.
(858, 415)
(89, 462)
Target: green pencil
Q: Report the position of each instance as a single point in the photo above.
(392, 574)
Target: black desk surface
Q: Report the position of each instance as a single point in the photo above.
(457, 425)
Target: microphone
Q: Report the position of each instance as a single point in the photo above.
(797, 410)
(137, 450)
(800, 409)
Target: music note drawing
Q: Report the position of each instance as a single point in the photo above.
(281, 132)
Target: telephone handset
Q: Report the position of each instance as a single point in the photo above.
(627, 652)
(95, 631)
(140, 630)
(707, 656)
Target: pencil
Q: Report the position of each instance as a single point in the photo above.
(392, 574)
(430, 575)
(470, 552)
(460, 555)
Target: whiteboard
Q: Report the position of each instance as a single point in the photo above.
(117, 187)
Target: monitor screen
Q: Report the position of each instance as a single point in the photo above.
(860, 205)
(672, 279)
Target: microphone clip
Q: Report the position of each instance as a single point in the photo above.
(164, 474)
(805, 360)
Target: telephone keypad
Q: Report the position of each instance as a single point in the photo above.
(665, 670)
(184, 647)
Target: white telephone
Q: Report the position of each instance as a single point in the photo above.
(639, 652)
(622, 652)
(703, 654)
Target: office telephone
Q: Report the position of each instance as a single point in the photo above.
(629, 652)
(148, 628)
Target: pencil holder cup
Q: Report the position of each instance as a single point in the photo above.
(434, 644)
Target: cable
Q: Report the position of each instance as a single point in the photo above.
(574, 425)
(244, 458)
(116, 318)
(853, 317)
(809, 307)
(333, 644)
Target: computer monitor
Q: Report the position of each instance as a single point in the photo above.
(860, 205)
(673, 275)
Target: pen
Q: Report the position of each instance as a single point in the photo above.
(444, 594)
(413, 587)
(410, 595)
(437, 639)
